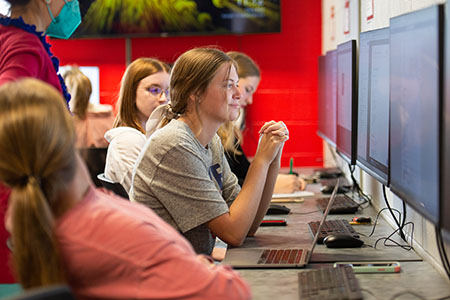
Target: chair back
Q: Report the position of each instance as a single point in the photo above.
(115, 187)
(95, 159)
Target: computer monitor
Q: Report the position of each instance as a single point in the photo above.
(327, 98)
(416, 92)
(373, 104)
(347, 101)
(445, 143)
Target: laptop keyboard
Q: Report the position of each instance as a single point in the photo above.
(343, 204)
(281, 256)
(332, 227)
(329, 283)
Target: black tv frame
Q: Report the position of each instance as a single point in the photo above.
(444, 203)
(344, 153)
(166, 27)
(371, 168)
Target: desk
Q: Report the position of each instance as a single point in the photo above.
(416, 275)
(296, 234)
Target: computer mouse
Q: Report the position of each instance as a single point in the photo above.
(276, 209)
(342, 241)
(328, 189)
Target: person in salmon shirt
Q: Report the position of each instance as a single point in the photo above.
(65, 231)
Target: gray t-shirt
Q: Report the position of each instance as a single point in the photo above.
(185, 183)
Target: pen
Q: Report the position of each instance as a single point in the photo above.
(291, 164)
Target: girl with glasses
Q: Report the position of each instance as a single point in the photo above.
(144, 87)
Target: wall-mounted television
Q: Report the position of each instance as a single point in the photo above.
(143, 18)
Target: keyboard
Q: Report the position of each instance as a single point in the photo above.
(281, 256)
(329, 283)
(343, 204)
(332, 227)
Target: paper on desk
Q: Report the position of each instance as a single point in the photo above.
(297, 194)
(291, 196)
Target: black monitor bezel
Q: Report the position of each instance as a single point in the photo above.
(397, 191)
(372, 170)
(180, 31)
(444, 192)
(350, 157)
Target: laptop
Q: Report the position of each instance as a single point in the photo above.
(276, 258)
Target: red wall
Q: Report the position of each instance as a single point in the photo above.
(288, 61)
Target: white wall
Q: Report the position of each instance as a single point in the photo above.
(4, 7)
(332, 35)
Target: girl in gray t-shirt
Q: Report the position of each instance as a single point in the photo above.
(182, 173)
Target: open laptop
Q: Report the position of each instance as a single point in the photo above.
(276, 258)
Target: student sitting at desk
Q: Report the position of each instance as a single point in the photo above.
(143, 88)
(65, 231)
(230, 132)
(182, 173)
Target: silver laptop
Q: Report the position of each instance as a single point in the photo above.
(276, 258)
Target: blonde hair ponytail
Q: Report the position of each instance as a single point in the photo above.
(36, 259)
(38, 162)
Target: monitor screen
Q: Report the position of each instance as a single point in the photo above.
(327, 98)
(445, 154)
(373, 104)
(174, 18)
(415, 88)
(347, 101)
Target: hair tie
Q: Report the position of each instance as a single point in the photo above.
(34, 180)
(170, 114)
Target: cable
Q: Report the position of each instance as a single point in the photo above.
(369, 292)
(442, 252)
(378, 215)
(402, 235)
(406, 293)
(356, 188)
(404, 247)
(404, 214)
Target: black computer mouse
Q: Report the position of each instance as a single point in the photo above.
(328, 189)
(276, 209)
(342, 241)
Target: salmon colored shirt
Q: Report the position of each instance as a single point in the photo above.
(115, 249)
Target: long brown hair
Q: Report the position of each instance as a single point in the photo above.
(37, 141)
(127, 110)
(191, 75)
(230, 133)
(80, 88)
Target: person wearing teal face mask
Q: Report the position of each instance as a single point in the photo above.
(66, 22)
(24, 52)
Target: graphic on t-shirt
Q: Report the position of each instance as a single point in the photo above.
(215, 175)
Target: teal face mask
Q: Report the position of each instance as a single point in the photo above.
(66, 22)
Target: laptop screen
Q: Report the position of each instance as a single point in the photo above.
(325, 214)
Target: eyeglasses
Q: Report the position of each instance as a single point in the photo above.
(157, 91)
